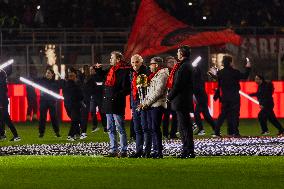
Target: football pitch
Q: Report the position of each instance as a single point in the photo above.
(100, 172)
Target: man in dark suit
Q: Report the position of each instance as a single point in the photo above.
(264, 95)
(180, 95)
(229, 86)
(116, 88)
(201, 101)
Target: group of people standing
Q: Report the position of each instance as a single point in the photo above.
(81, 95)
(164, 87)
(170, 87)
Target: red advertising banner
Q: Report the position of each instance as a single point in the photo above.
(18, 102)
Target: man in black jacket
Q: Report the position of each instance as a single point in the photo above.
(48, 102)
(96, 99)
(116, 88)
(229, 86)
(264, 95)
(180, 95)
(88, 86)
(4, 114)
(73, 97)
(201, 101)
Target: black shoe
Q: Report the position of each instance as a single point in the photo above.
(157, 155)
(280, 133)
(186, 155)
(135, 155)
(146, 155)
(3, 137)
(15, 139)
(95, 129)
(237, 135)
(216, 135)
(112, 154)
(40, 135)
(123, 155)
(173, 137)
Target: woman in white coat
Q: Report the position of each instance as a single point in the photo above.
(155, 103)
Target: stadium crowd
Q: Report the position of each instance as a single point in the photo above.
(110, 13)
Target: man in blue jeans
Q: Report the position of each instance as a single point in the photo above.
(116, 88)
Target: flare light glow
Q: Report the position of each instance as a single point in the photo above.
(37, 86)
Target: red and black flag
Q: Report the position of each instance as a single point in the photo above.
(155, 31)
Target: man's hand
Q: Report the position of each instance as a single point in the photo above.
(142, 107)
(248, 64)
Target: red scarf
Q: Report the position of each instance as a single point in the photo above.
(170, 80)
(150, 77)
(110, 79)
(134, 86)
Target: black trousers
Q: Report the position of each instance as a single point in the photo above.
(268, 114)
(32, 107)
(231, 112)
(203, 108)
(6, 119)
(74, 115)
(132, 132)
(85, 116)
(93, 105)
(154, 119)
(166, 123)
(44, 107)
(186, 133)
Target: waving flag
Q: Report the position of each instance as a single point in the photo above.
(155, 31)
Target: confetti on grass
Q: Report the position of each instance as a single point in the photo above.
(250, 146)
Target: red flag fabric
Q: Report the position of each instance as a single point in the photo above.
(155, 31)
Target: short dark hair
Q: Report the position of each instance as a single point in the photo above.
(49, 68)
(157, 59)
(260, 76)
(185, 50)
(117, 54)
(227, 60)
(72, 70)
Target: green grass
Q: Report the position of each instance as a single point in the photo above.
(29, 132)
(98, 172)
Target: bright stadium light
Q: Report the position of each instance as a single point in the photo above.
(37, 86)
(7, 63)
(196, 61)
(189, 3)
(204, 18)
(248, 97)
